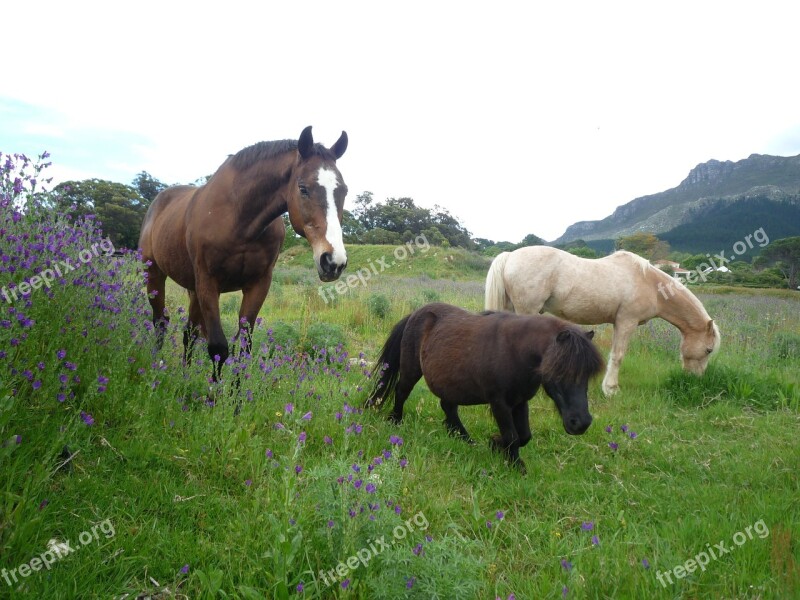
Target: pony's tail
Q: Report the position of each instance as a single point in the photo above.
(496, 297)
(387, 370)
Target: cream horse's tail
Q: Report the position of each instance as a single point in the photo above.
(496, 297)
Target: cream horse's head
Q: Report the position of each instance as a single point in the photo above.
(697, 346)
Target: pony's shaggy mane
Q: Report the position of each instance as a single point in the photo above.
(571, 357)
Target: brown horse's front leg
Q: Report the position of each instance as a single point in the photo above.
(155, 294)
(208, 299)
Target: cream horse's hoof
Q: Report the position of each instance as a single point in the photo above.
(610, 390)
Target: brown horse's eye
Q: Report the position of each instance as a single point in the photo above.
(303, 189)
(709, 350)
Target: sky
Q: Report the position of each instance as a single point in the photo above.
(516, 117)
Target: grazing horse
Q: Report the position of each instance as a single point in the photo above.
(623, 289)
(492, 358)
(226, 235)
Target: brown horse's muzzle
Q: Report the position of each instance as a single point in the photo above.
(329, 270)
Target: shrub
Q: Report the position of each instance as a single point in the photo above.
(378, 305)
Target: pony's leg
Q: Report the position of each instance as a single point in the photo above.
(193, 323)
(410, 374)
(522, 423)
(453, 422)
(619, 345)
(156, 280)
(507, 441)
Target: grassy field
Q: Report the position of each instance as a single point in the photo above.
(683, 487)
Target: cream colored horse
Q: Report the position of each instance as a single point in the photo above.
(623, 289)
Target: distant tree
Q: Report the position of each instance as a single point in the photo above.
(668, 269)
(352, 229)
(381, 236)
(148, 186)
(531, 240)
(402, 216)
(783, 254)
(119, 207)
(435, 237)
(582, 251)
(361, 207)
(482, 244)
(646, 245)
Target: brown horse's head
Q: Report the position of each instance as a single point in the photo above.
(697, 346)
(316, 202)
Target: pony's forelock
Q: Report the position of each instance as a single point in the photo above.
(571, 357)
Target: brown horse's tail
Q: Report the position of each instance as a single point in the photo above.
(496, 297)
(572, 356)
(387, 370)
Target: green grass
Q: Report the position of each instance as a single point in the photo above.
(185, 482)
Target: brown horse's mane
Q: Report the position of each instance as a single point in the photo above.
(571, 357)
(247, 157)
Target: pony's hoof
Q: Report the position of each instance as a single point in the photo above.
(395, 419)
(520, 466)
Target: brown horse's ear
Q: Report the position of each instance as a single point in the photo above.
(590, 334)
(710, 326)
(340, 146)
(305, 145)
(562, 335)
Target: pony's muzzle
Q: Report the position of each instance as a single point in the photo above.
(328, 269)
(577, 424)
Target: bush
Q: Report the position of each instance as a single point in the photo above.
(323, 339)
(378, 305)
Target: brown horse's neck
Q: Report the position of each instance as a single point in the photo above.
(260, 192)
(678, 306)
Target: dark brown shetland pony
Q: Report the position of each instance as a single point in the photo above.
(499, 359)
(226, 235)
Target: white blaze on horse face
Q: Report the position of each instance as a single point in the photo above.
(327, 179)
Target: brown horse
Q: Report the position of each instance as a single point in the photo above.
(226, 235)
(499, 359)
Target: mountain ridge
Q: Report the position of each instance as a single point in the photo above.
(759, 176)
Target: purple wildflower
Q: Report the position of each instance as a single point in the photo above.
(587, 525)
(566, 564)
(613, 445)
(87, 418)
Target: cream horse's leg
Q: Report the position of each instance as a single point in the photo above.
(619, 345)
